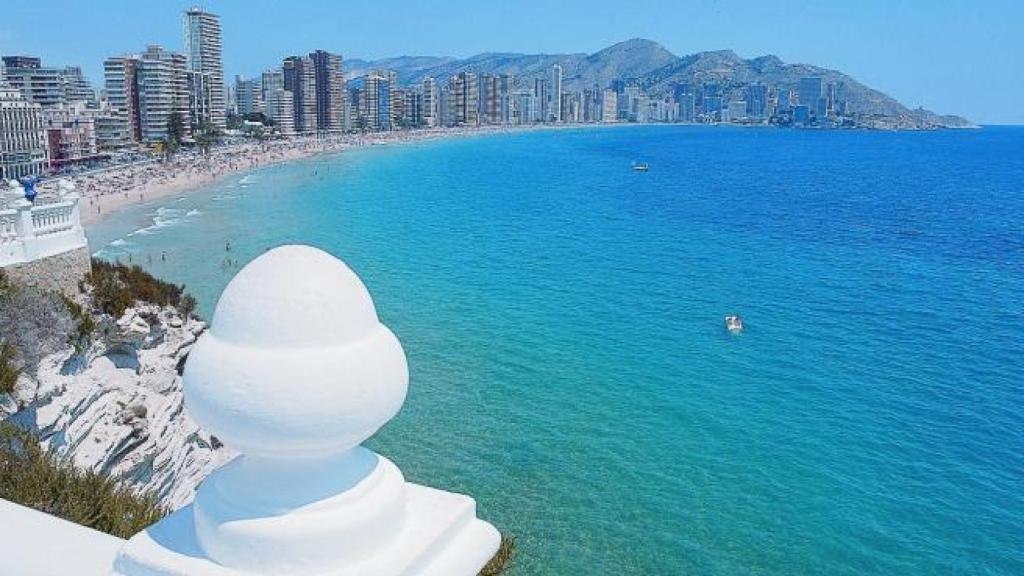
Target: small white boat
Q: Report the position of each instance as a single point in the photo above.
(640, 167)
(734, 323)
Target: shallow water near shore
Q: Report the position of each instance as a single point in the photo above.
(563, 318)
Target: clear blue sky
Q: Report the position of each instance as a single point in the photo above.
(952, 56)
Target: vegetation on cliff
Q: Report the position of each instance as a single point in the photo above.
(9, 370)
(116, 287)
(34, 477)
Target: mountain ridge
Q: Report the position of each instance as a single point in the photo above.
(656, 70)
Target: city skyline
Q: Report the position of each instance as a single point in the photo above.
(947, 77)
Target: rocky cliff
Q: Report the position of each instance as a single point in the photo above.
(115, 405)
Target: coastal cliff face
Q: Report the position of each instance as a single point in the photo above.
(115, 405)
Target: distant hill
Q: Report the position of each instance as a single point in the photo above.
(657, 70)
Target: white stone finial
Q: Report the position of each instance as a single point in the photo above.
(295, 372)
(295, 362)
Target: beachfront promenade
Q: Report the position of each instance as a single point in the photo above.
(108, 189)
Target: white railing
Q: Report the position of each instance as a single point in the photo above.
(8, 226)
(52, 218)
(48, 227)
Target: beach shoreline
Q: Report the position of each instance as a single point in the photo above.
(106, 192)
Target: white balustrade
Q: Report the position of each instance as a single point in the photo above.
(8, 226)
(30, 231)
(52, 218)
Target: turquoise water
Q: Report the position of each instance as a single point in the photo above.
(563, 319)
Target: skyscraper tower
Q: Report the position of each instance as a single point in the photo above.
(465, 98)
(540, 92)
(556, 94)
(163, 92)
(330, 90)
(431, 103)
(300, 80)
(203, 55)
(811, 88)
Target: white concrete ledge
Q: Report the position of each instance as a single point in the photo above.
(36, 544)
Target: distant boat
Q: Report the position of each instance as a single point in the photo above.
(640, 167)
(733, 323)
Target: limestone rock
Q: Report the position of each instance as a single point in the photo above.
(117, 407)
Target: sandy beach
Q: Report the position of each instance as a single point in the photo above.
(107, 190)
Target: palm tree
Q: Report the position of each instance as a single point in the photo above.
(206, 135)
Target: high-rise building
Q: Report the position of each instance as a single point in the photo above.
(506, 90)
(330, 90)
(687, 107)
(112, 131)
(631, 104)
(734, 111)
(199, 88)
(757, 100)
(121, 83)
(300, 80)
(412, 108)
(38, 84)
(555, 111)
(375, 101)
(810, 90)
(271, 80)
(203, 54)
(22, 135)
(394, 99)
(832, 94)
(785, 100)
(163, 93)
(490, 99)
(524, 107)
(465, 99)
(540, 92)
(590, 104)
(609, 106)
(431, 103)
(76, 86)
(280, 109)
(248, 95)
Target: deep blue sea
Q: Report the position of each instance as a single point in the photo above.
(563, 318)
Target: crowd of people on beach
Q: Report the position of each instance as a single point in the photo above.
(138, 180)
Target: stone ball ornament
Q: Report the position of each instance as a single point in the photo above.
(295, 361)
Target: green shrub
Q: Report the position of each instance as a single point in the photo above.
(9, 371)
(33, 477)
(116, 287)
(5, 284)
(85, 325)
(188, 306)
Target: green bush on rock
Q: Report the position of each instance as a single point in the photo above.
(33, 477)
(9, 370)
(116, 287)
